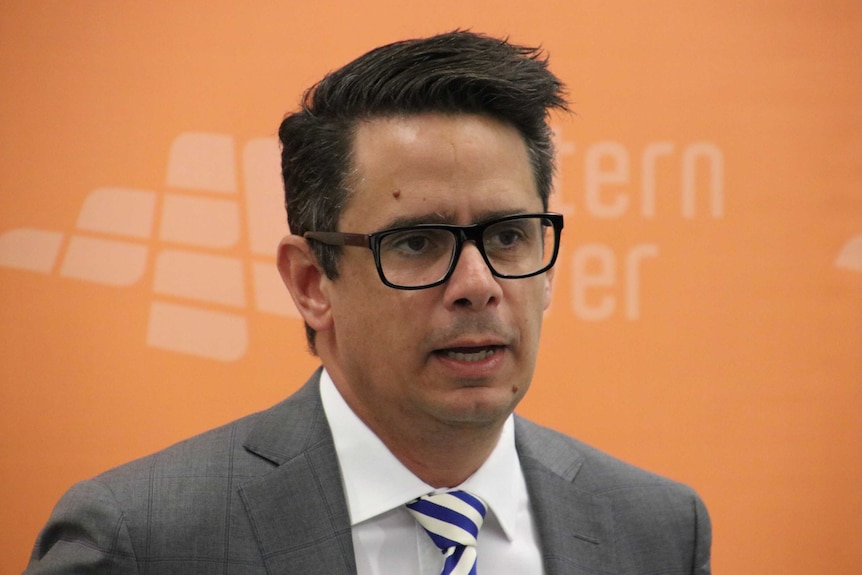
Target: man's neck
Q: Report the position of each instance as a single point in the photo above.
(442, 458)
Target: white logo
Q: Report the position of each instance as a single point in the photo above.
(203, 262)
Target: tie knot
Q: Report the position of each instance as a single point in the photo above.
(452, 518)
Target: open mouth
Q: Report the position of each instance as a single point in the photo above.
(474, 354)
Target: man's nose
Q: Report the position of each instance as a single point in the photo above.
(472, 284)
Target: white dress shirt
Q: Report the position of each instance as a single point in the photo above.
(388, 540)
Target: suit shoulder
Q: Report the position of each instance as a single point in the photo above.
(185, 457)
(666, 519)
(227, 449)
(597, 470)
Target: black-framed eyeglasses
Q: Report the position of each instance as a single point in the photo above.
(425, 255)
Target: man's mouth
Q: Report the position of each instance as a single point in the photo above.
(469, 354)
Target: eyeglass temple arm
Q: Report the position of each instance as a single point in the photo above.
(339, 238)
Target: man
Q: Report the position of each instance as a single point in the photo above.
(417, 180)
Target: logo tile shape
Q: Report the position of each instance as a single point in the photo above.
(205, 222)
(120, 211)
(202, 161)
(205, 333)
(30, 249)
(107, 262)
(197, 276)
(850, 256)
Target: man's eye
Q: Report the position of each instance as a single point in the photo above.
(509, 237)
(506, 238)
(415, 243)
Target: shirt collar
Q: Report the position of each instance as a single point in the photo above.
(376, 482)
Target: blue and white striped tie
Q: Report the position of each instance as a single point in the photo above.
(452, 519)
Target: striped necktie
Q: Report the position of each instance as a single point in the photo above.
(452, 519)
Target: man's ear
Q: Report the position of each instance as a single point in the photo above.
(549, 282)
(305, 281)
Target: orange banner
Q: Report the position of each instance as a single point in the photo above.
(707, 315)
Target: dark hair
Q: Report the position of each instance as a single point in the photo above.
(456, 72)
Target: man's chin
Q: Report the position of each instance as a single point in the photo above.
(478, 407)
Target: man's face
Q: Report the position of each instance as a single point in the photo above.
(461, 353)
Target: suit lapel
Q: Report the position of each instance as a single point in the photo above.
(298, 512)
(575, 526)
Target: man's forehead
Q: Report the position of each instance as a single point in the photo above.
(408, 127)
(437, 168)
(382, 145)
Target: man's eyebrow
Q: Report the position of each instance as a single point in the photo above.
(446, 218)
(407, 221)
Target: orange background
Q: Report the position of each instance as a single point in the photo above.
(731, 359)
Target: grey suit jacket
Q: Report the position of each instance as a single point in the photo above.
(263, 495)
